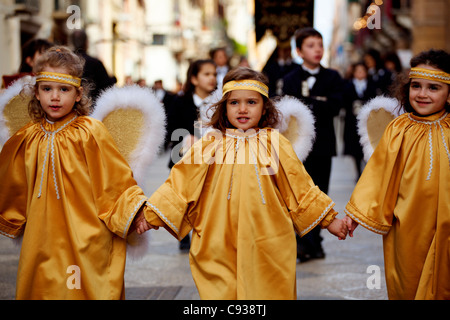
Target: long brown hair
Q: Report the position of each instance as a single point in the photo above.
(219, 118)
(60, 57)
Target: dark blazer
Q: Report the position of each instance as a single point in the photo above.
(181, 114)
(352, 103)
(324, 100)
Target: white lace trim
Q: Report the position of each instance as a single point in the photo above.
(240, 139)
(164, 217)
(50, 135)
(136, 208)
(7, 235)
(322, 215)
(437, 124)
(365, 225)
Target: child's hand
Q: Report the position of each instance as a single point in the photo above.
(338, 227)
(351, 225)
(140, 223)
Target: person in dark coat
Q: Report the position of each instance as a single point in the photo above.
(321, 89)
(279, 65)
(358, 90)
(381, 76)
(94, 70)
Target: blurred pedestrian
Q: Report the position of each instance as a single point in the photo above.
(31, 51)
(377, 71)
(321, 89)
(403, 191)
(94, 70)
(358, 90)
(166, 98)
(222, 61)
(279, 65)
(243, 216)
(184, 111)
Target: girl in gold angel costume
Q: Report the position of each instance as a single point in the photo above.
(68, 190)
(244, 192)
(404, 190)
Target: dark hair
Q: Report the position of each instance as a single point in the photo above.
(438, 59)
(301, 34)
(29, 49)
(219, 118)
(193, 71)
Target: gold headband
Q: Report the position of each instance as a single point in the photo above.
(58, 77)
(430, 75)
(253, 85)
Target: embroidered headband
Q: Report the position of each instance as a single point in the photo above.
(58, 77)
(253, 85)
(428, 74)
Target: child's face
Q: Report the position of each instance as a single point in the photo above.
(57, 99)
(427, 96)
(360, 72)
(205, 82)
(311, 51)
(245, 109)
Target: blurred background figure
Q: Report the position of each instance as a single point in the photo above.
(359, 88)
(128, 81)
(94, 70)
(31, 51)
(220, 58)
(166, 98)
(279, 65)
(377, 71)
(142, 83)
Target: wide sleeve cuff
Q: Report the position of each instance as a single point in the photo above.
(10, 230)
(328, 219)
(314, 207)
(170, 209)
(356, 215)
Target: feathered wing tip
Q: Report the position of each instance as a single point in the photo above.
(14, 108)
(137, 121)
(205, 110)
(138, 245)
(373, 119)
(297, 125)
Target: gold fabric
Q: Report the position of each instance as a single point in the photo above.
(126, 128)
(252, 85)
(58, 77)
(243, 196)
(428, 74)
(403, 194)
(85, 227)
(16, 113)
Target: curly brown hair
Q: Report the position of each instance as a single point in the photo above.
(219, 118)
(60, 57)
(438, 59)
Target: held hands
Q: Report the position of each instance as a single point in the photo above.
(339, 228)
(140, 223)
(351, 225)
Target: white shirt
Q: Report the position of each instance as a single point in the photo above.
(311, 80)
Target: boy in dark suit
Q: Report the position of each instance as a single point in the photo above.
(321, 89)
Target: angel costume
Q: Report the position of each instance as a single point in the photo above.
(244, 195)
(69, 190)
(403, 195)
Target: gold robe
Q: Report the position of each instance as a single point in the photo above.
(403, 194)
(77, 240)
(242, 195)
